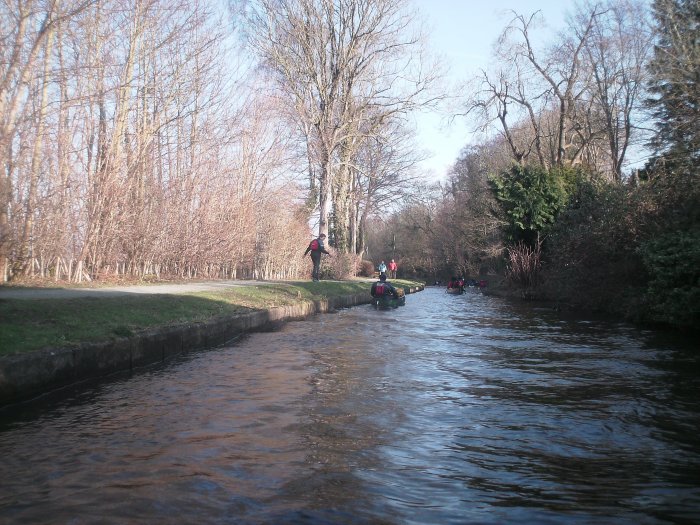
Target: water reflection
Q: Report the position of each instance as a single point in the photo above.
(452, 409)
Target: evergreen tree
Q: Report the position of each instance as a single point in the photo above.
(531, 197)
(668, 246)
(675, 77)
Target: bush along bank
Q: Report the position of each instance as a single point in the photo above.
(26, 374)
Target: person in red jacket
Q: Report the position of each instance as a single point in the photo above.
(392, 269)
(316, 248)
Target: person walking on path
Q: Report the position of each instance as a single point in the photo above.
(316, 248)
(392, 269)
(382, 268)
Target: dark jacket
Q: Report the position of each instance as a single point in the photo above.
(389, 289)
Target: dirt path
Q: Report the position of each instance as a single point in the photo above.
(111, 291)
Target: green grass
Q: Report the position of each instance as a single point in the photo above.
(32, 324)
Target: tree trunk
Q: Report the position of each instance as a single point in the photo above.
(26, 242)
(325, 197)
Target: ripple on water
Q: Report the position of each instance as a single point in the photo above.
(451, 409)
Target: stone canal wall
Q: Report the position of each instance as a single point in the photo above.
(26, 375)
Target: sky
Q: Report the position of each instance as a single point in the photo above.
(463, 33)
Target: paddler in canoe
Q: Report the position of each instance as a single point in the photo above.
(385, 294)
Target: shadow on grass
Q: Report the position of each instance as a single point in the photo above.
(51, 344)
(27, 325)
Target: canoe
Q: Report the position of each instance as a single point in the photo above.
(455, 291)
(389, 302)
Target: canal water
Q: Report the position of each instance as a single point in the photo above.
(449, 410)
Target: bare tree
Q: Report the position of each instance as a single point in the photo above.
(385, 176)
(27, 26)
(617, 52)
(34, 170)
(576, 102)
(341, 62)
(537, 87)
(131, 147)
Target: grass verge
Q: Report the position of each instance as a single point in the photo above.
(32, 324)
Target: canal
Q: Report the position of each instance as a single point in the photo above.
(451, 409)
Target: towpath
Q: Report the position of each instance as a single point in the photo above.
(8, 292)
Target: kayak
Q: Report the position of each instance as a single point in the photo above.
(455, 291)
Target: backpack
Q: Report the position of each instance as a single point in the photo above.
(379, 289)
(314, 245)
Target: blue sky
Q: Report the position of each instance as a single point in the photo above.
(463, 32)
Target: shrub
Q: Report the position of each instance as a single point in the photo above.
(524, 264)
(339, 266)
(590, 258)
(366, 269)
(673, 292)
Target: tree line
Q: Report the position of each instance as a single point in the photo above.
(181, 139)
(135, 143)
(151, 137)
(544, 198)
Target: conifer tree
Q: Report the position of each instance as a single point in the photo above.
(675, 77)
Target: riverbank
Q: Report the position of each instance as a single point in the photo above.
(51, 338)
